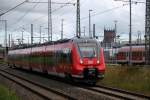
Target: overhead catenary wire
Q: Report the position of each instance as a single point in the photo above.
(26, 13)
(99, 13)
(102, 12)
(40, 16)
(12, 8)
(51, 2)
(84, 18)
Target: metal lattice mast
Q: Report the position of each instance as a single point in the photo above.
(62, 28)
(147, 32)
(40, 33)
(6, 48)
(90, 35)
(49, 20)
(130, 33)
(31, 33)
(78, 29)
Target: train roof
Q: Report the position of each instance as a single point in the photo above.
(38, 44)
(134, 48)
(75, 39)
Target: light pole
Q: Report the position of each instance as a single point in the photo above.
(84, 30)
(49, 20)
(115, 40)
(115, 21)
(22, 35)
(62, 28)
(40, 33)
(90, 35)
(9, 40)
(94, 35)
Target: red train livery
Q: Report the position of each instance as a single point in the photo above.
(80, 58)
(138, 55)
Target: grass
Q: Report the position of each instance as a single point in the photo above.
(135, 78)
(2, 61)
(6, 94)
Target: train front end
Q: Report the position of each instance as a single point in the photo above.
(88, 60)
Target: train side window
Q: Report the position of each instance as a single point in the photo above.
(58, 56)
(67, 55)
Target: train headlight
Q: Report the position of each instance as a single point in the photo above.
(81, 62)
(98, 62)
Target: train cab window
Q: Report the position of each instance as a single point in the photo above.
(88, 50)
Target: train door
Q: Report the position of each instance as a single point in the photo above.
(67, 60)
(57, 59)
(30, 58)
(49, 59)
(44, 65)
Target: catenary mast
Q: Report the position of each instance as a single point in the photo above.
(147, 32)
(78, 29)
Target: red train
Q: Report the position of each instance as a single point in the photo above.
(78, 58)
(138, 55)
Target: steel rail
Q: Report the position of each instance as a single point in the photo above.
(109, 91)
(118, 93)
(124, 91)
(7, 75)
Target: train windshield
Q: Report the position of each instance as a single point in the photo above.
(88, 50)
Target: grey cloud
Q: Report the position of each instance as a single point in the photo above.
(68, 13)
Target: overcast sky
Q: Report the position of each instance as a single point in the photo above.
(103, 15)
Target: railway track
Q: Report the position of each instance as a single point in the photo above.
(118, 93)
(129, 95)
(96, 90)
(38, 89)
